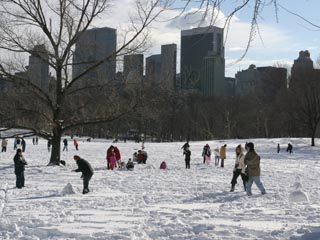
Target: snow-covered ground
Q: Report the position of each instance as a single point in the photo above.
(149, 203)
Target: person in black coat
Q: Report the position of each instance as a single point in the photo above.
(19, 163)
(187, 154)
(87, 172)
(23, 144)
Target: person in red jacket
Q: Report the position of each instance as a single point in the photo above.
(75, 143)
(110, 152)
(118, 156)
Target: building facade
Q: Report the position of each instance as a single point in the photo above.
(153, 70)
(95, 45)
(38, 69)
(133, 69)
(169, 66)
(266, 81)
(202, 63)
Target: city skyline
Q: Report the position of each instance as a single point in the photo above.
(281, 41)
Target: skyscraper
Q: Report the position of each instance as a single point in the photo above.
(153, 70)
(133, 69)
(38, 69)
(168, 66)
(95, 45)
(202, 60)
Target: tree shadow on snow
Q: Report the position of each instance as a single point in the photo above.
(315, 234)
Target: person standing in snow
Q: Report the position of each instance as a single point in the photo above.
(49, 145)
(206, 154)
(18, 144)
(239, 168)
(65, 145)
(19, 167)
(185, 146)
(223, 154)
(118, 156)
(23, 144)
(75, 143)
(15, 143)
(278, 148)
(216, 157)
(187, 159)
(4, 144)
(110, 152)
(252, 161)
(87, 172)
(289, 148)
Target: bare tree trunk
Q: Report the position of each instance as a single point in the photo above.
(56, 146)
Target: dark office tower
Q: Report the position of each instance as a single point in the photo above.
(133, 70)
(302, 67)
(153, 70)
(202, 60)
(168, 66)
(93, 46)
(38, 69)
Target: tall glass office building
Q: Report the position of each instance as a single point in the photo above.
(95, 45)
(202, 60)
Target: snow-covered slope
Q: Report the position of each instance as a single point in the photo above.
(149, 203)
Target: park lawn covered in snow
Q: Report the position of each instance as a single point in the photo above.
(149, 203)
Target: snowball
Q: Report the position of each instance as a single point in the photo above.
(68, 189)
(298, 196)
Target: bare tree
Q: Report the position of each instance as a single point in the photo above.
(58, 25)
(305, 101)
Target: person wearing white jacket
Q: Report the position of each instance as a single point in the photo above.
(239, 169)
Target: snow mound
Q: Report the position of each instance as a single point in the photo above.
(68, 189)
(298, 196)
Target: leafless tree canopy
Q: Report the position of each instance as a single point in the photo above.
(57, 25)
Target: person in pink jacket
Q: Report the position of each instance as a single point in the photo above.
(113, 161)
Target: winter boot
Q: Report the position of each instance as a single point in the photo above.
(85, 191)
(232, 189)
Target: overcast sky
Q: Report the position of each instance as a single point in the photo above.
(282, 39)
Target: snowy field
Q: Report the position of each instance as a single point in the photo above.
(148, 203)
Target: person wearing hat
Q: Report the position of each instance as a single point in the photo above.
(252, 160)
(19, 163)
(87, 172)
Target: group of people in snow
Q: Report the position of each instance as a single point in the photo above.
(246, 165)
(19, 143)
(289, 148)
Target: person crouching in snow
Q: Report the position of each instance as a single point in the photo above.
(163, 165)
(130, 164)
(239, 168)
(87, 172)
(187, 159)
